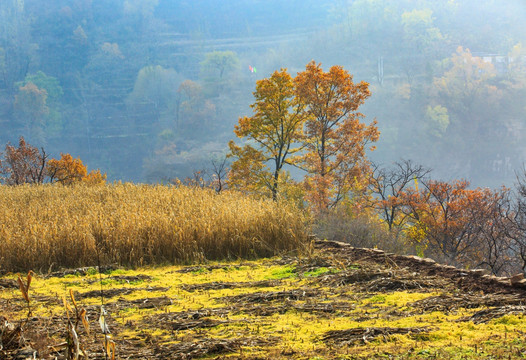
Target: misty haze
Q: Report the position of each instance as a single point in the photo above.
(150, 90)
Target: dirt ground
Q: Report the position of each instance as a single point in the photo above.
(339, 302)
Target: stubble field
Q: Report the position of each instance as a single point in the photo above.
(332, 302)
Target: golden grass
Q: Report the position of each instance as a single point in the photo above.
(54, 226)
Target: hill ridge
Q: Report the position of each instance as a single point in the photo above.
(466, 279)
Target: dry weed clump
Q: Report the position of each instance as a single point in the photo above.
(47, 226)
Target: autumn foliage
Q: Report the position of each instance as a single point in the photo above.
(447, 220)
(311, 122)
(442, 218)
(335, 138)
(26, 164)
(68, 170)
(274, 131)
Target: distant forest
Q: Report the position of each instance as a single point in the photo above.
(149, 90)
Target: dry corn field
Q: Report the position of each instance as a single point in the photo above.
(49, 227)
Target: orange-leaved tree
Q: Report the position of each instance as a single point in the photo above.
(335, 139)
(272, 135)
(24, 164)
(68, 170)
(449, 220)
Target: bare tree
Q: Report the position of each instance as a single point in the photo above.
(219, 173)
(518, 217)
(388, 184)
(209, 178)
(197, 179)
(494, 248)
(24, 164)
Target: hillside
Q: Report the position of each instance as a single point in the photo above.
(131, 87)
(336, 302)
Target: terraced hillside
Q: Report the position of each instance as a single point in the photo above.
(337, 302)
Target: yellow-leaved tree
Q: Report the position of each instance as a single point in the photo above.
(68, 171)
(272, 136)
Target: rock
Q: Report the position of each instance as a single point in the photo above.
(428, 260)
(520, 284)
(478, 272)
(516, 278)
(449, 267)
